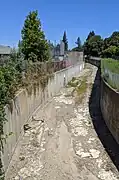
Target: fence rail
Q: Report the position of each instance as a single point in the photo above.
(49, 66)
(57, 65)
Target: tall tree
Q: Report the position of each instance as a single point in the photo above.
(96, 46)
(65, 41)
(91, 33)
(93, 45)
(19, 47)
(34, 45)
(51, 49)
(86, 44)
(78, 42)
(79, 46)
(51, 45)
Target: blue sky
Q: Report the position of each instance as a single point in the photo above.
(77, 17)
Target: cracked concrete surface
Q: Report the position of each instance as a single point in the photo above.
(64, 146)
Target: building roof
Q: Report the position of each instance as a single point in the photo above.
(5, 50)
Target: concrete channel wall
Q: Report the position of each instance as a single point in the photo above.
(94, 61)
(110, 108)
(24, 105)
(109, 101)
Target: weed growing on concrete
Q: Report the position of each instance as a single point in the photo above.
(73, 83)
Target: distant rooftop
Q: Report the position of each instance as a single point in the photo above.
(5, 50)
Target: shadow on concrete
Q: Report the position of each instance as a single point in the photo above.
(101, 129)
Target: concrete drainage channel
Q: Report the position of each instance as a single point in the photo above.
(25, 104)
(61, 143)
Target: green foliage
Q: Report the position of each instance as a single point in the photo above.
(110, 51)
(79, 46)
(113, 40)
(82, 88)
(9, 79)
(93, 45)
(51, 48)
(96, 46)
(19, 48)
(10, 82)
(78, 42)
(91, 34)
(111, 45)
(77, 49)
(65, 41)
(86, 44)
(34, 45)
(50, 45)
(73, 83)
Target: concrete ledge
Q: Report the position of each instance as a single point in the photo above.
(94, 61)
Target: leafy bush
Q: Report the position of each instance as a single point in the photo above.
(9, 79)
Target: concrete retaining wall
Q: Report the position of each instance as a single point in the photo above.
(110, 108)
(111, 78)
(24, 105)
(94, 61)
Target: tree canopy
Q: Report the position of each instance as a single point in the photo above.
(34, 46)
(96, 46)
(65, 40)
(79, 45)
(92, 33)
(111, 45)
(93, 45)
(78, 42)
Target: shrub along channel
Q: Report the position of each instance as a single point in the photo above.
(12, 79)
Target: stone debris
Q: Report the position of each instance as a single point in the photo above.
(57, 107)
(108, 175)
(68, 92)
(94, 153)
(99, 162)
(26, 127)
(80, 131)
(91, 140)
(35, 118)
(50, 132)
(63, 99)
(21, 158)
